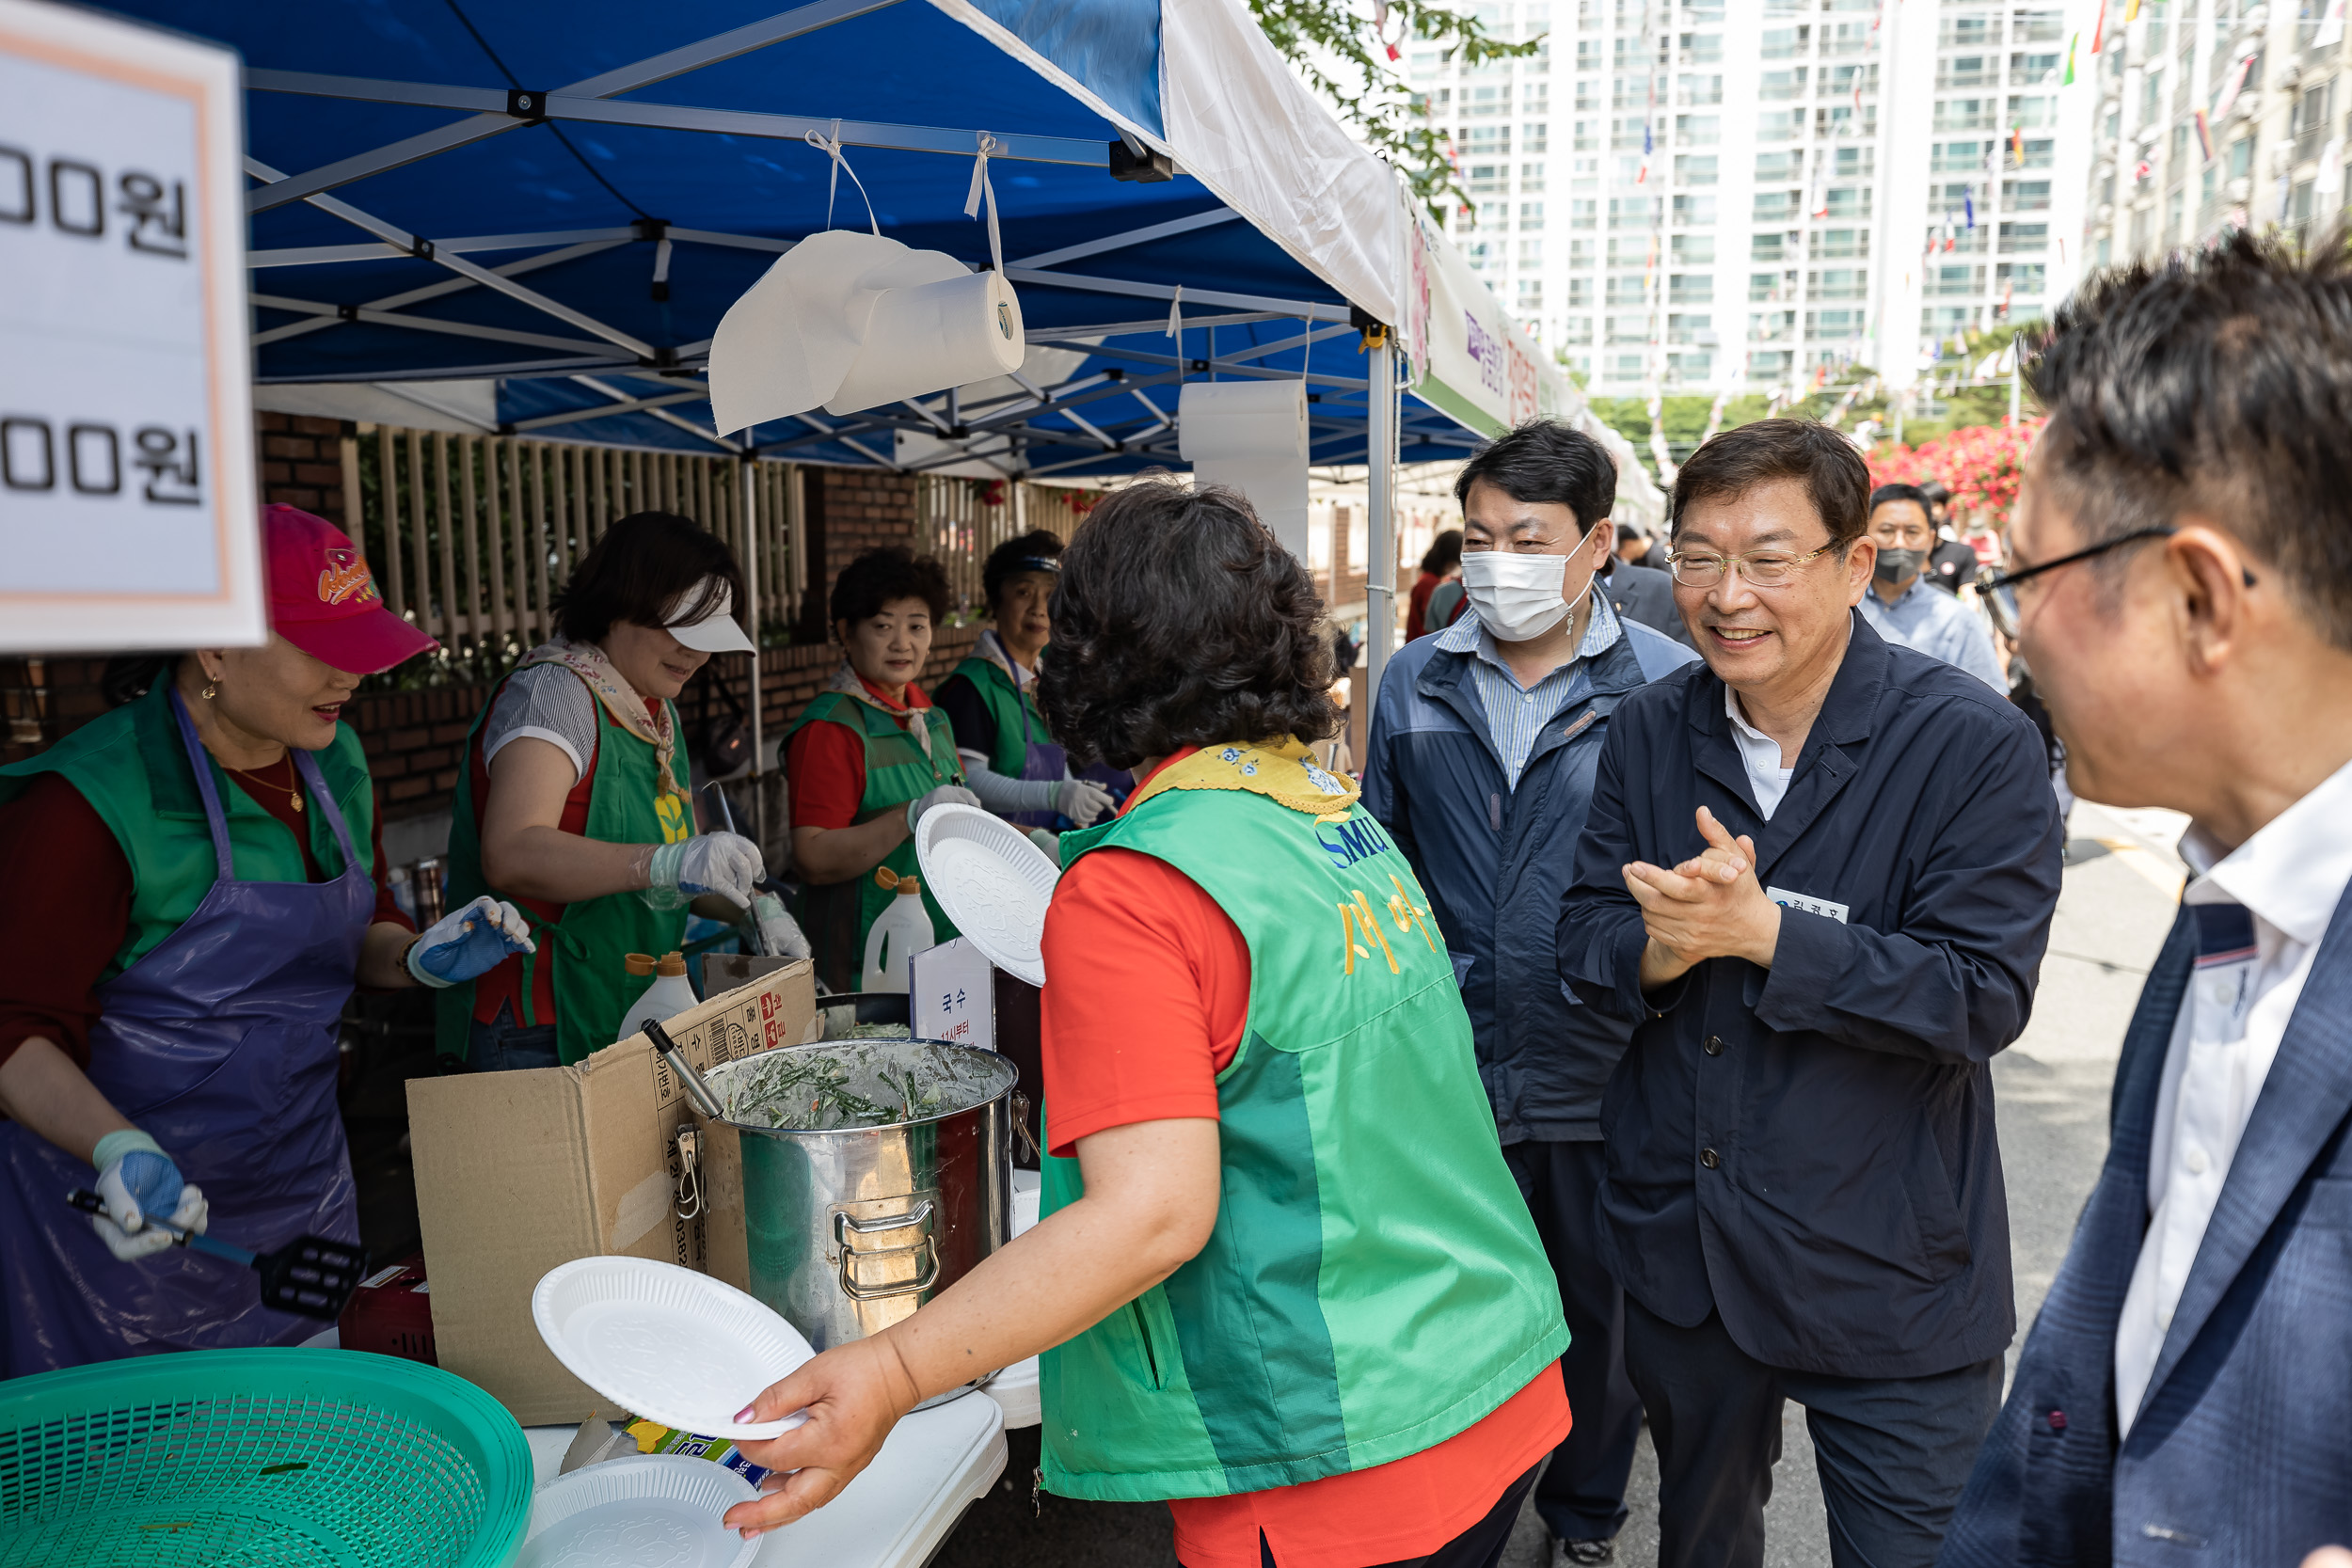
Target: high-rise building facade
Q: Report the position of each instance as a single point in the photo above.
(2213, 115)
(1745, 195)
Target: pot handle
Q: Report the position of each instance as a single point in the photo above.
(925, 1274)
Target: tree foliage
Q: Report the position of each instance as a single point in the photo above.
(1331, 41)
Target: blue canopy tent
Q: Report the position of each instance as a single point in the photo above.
(563, 200)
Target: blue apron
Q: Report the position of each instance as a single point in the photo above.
(220, 1043)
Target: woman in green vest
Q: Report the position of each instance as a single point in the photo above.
(867, 757)
(196, 883)
(1284, 1280)
(572, 800)
(1012, 764)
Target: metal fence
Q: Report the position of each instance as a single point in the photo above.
(962, 519)
(472, 535)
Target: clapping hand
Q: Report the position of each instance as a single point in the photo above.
(1708, 907)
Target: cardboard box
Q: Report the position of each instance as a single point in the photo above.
(518, 1172)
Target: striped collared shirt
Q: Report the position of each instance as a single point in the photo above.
(1516, 714)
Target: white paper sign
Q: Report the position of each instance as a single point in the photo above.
(1806, 902)
(127, 511)
(954, 995)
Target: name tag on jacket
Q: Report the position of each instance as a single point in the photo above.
(1809, 904)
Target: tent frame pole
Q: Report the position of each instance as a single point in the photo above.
(747, 490)
(1380, 496)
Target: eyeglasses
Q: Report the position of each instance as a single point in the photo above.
(1768, 570)
(1990, 581)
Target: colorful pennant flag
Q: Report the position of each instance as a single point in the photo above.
(2017, 144)
(2070, 43)
(2099, 29)
(2204, 136)
(2131, 11)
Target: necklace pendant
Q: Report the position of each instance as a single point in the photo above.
(298, 803)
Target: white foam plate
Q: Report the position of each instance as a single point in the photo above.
(994, 883)
(667, 1343)
(648, 1509)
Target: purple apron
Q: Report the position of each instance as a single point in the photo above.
(220, 1043)
(1048, 759)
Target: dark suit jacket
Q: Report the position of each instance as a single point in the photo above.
(2241, 1453)
(1809, 1150)
(1646, 598)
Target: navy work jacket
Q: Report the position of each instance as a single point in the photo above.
(1493, 861)
(1809, 1148)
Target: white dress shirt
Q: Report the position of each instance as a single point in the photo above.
(1759, 753)
(2289, 876)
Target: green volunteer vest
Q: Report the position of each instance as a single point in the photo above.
(592, 987)
(1008, 708)
(130, 766)
(1373, 1285)
(836, 916)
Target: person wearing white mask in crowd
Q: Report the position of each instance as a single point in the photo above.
(1479, 765)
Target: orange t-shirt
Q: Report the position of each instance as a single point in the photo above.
(1150, 991)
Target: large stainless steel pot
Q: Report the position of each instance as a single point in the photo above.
(851, 1230)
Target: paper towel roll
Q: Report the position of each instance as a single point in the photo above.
(934, 335)
(796, 336)
(1252, 437)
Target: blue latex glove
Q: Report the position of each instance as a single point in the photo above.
(137, 1180)
(468, 941)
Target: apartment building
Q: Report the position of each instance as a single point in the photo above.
(2213, 115)
(1693, 196)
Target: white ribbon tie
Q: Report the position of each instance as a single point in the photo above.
(831, 147)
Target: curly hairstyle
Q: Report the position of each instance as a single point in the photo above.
(1180, 622)
(882, 574)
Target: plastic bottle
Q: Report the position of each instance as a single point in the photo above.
(670, 992)
(899, 933)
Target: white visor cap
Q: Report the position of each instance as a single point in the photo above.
(715, 633)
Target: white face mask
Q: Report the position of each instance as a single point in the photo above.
(1517, 597)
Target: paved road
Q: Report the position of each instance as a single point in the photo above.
(2121, 886)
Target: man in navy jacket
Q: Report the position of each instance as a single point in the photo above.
(1819, 870)
(1479, 764)
(2182, 558)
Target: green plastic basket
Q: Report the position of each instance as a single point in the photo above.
(259, 1457)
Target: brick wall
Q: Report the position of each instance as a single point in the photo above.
(302, 462)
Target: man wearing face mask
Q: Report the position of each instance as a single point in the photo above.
(1900, 606)
(1480, 763)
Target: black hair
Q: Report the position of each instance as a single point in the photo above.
(1937, 491)
(2219, 383)
(1910, 493)
(1730, 465)
(883, 575)
(1034, 551)
(1544, 460)
(641, 571)
(1444, 553)
(1627, 532)
(1179, 621)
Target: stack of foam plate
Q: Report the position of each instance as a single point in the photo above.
(654, 1507)
(994, 883)
(667, 1343)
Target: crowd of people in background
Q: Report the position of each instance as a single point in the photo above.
(1708, 872)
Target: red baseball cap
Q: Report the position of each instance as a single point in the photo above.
(322, 597)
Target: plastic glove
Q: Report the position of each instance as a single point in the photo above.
(779, 933)
(1049, 842)
(469, 943)
(135, 1179)
(1082, 800)
(725, 863)
(944, 794)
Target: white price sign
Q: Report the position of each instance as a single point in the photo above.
(127, 506)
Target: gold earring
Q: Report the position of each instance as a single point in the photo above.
(209, 689)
